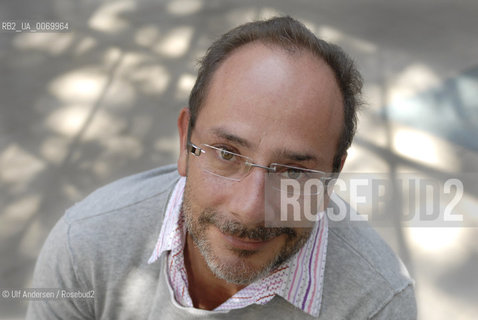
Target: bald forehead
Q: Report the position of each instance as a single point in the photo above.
(277, 70)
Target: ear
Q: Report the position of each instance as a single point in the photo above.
(183, 124)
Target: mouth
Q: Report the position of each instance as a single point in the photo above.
(245, 243)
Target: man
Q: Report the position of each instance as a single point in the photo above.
(192, 243)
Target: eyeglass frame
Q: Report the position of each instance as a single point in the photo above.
(196, 151)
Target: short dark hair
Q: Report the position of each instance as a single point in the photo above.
(291, 35)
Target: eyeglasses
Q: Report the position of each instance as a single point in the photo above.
(232, 166)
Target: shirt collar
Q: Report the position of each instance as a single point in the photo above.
(170, 221)
(299, 280)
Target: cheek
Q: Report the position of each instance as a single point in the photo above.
(207, 191)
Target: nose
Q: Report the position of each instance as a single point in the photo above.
(247, 198)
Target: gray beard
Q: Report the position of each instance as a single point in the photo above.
(240, 272)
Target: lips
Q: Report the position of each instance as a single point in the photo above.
(244, 244)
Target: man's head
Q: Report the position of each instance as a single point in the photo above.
(290, 35)
(274, 93)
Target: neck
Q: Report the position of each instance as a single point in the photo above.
(206, 290)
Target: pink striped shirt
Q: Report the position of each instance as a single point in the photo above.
(298, 280)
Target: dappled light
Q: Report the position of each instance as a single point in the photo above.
(184, 7)
(100, 102)
(175, 43)
(438, 243)
(79, 85)
(414, 79)
(185, 84)
(18, 213)
(43, 42)
(108, 19)
(85, 45)
(54, 149)
(150, 79)
(19, 166)
(416, 146)
(147, 36)
(70, 120)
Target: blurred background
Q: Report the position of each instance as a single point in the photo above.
(82, 108)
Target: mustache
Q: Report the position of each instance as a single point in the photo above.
(236, 229)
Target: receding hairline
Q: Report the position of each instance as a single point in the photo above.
(290, 50)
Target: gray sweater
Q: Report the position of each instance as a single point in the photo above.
(102, 244)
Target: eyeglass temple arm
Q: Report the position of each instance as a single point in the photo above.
(195, 149)
(250, 165)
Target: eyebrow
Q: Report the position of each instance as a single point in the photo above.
(280, 154)
(296, 156)
(222, 133)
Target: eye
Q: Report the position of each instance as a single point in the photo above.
(293, 173)
(225, 155)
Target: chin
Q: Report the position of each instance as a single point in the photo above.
(238, 266)
(237, 270)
